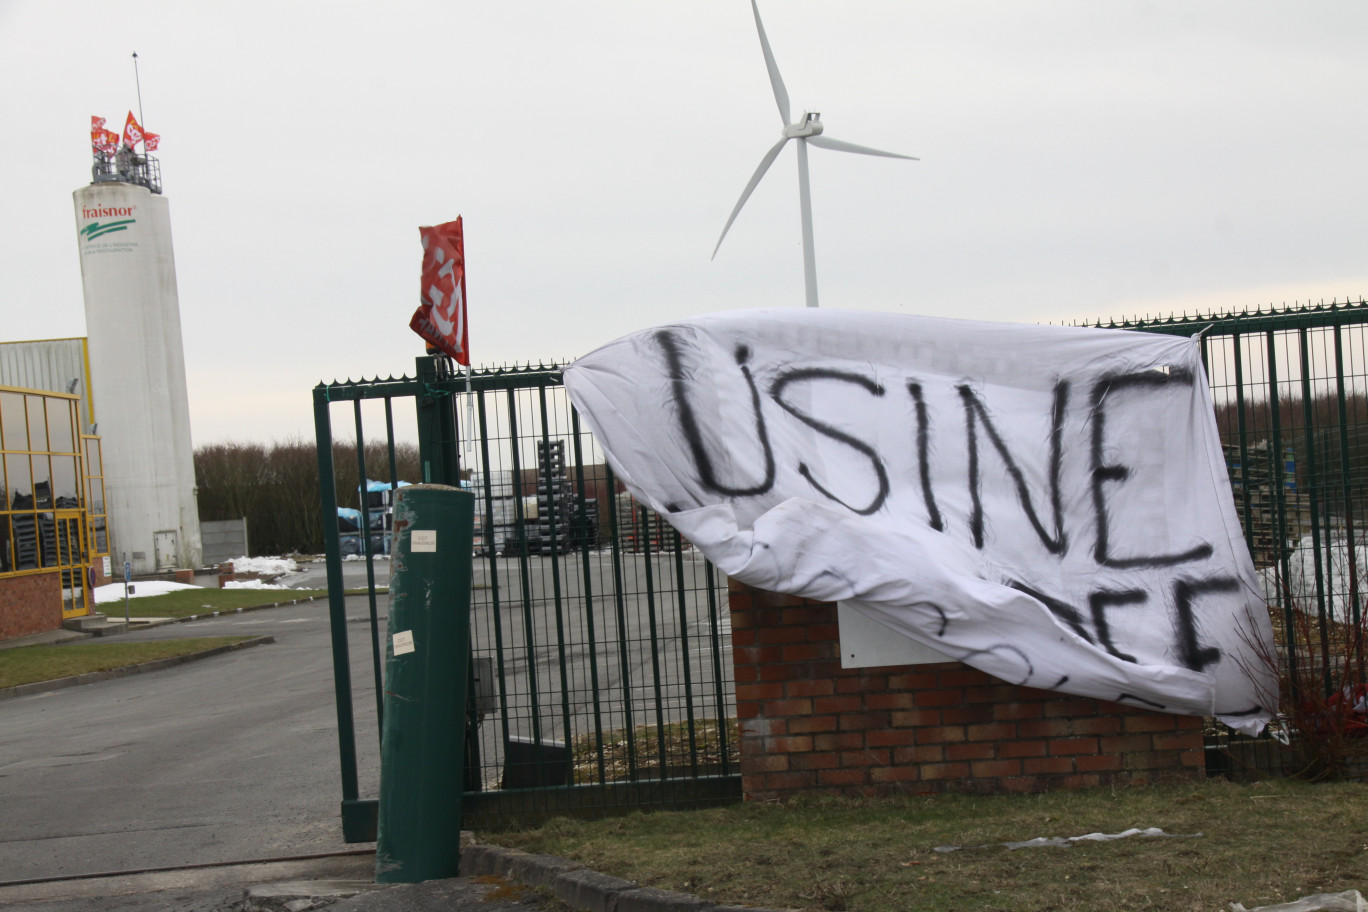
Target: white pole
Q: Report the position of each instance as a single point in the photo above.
(805, 204)
(470, 413)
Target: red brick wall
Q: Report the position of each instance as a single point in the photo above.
(31, 603)
(808, 725)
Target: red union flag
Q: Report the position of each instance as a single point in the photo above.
(151, 140)
(133, 133)
(103, 140)
(441, 315)
(106, 141)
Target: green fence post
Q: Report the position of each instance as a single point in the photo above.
(427, 672)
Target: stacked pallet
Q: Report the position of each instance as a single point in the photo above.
(547, 512)
(587, 527)
(1268, 497)
(555, 521)
(494, 531)
(25, 541)
(641, 528)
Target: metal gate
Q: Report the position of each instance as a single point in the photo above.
(1290, 388)
(601, 640)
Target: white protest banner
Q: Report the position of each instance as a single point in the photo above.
(1048, 504)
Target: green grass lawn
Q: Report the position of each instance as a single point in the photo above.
(1259, 844)
(27, 664)
(187, 602)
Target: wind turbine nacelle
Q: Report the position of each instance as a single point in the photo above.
(811, 125)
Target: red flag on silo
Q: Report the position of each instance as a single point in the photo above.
(133, 133)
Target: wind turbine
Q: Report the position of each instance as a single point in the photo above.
(807, 130)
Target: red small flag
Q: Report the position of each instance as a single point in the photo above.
(132, 134)
(151, 141)
(104, 141)
(441, 316)
(99, 136)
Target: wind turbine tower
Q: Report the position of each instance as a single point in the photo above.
(807, 130)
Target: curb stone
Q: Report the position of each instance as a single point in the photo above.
(576, 885)
(91, 677)
(540, 870)
(590, 890)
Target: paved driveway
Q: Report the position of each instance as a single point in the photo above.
(227, 758)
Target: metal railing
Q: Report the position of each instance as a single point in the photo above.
(128, 167)
(601, 640)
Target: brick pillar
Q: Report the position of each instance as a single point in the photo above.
(809, 725)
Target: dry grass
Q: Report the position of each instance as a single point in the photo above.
(1260, 844)
(642, 753)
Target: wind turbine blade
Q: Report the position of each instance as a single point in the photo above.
(777, 81)
(826, 142)
(745, 194)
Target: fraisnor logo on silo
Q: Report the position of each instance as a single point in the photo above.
(107, 220)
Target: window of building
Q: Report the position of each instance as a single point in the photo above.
(40, 474)
(97, 519)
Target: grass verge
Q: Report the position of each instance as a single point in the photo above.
(186, 602)
(27, 664)
(1260, 844)
(619, 758)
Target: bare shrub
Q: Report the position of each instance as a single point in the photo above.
(276, 487)
(1320, 669)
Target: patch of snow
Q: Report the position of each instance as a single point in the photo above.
(251, 584)
(265, 565)
(114, 592)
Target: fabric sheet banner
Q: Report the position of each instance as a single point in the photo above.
(1047, 504)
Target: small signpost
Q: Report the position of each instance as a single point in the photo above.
(128, 576)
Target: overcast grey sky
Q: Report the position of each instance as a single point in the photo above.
(1079, 159)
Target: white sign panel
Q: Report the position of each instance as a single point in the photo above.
(403, 642)
(1048, 504)
(866, 643)
(423, 540)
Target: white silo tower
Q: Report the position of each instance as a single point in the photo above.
(137, 367)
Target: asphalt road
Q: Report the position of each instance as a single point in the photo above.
(235, 757)
(227, 758)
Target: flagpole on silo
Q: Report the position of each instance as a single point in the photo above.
(142, 121)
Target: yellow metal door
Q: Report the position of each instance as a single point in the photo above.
(69, 530)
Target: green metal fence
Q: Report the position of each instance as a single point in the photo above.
(1290, 387)
(601, 640)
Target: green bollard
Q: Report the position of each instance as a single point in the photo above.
(427, 654)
